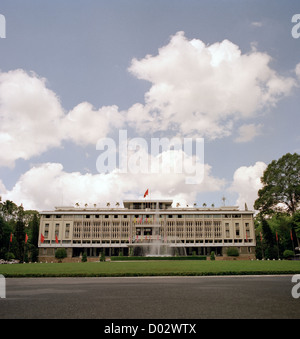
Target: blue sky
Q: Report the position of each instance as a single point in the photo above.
(76, 71)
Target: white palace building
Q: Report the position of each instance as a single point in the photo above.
(146, 227)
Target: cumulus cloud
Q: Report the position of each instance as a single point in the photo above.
(197, 90)
(32, 119)
(200, 89)
(29, 116)
(47, 185)
(84, 125)
(247, 132)
(246, 182)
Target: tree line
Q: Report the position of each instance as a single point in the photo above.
(19, 232)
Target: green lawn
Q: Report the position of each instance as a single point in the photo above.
(150, 268)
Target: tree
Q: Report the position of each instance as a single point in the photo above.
(9, 210)
(5, 232)
(60, 254)
(20, 234)
(270, 251)
(34, 225)
(281, 186)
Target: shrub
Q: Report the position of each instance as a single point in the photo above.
(60, 254)
(9, 256)
(158, 258)
(233, 252)
(212, 255)
(84, 258)
(102, 256)
(288, 254)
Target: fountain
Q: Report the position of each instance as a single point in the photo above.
(156, 247)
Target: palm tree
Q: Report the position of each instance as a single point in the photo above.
(204, 204)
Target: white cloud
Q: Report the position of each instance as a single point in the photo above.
(197, 90)
(32, 119)
(202, 90)
(246, 182)
(84, 125)
(47, 185)
(29, 116)
(247, 132)
(256, 24)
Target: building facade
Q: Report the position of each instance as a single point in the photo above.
(151, 227)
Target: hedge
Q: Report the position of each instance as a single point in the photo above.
(122, 258)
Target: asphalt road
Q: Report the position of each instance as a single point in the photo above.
(240, 297)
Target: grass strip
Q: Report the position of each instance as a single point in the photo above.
(151, 268)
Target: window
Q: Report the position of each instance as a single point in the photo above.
(56, 229)
(46, 230)
(227, 229)
(237, 229)
(67, 231)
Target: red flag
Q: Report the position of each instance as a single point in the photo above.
(56, 240)
(260, 237)
(276, 236)
(291, 235)
(26, 238)
(10, 239)
(146, 193)
(246, 237)
(42, 238)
